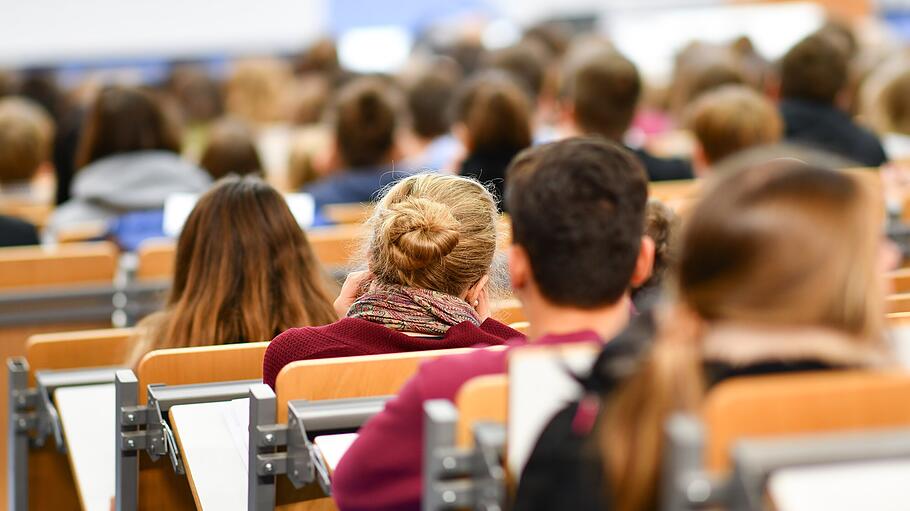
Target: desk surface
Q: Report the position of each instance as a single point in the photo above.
(87, 415)
(880, 485)
(333, 447)
(216, 470)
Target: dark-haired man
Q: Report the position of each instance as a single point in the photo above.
(813, 75)
(577, 209)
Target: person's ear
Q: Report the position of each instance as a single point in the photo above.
(473, 294)
(772, 87)
(461, 133)
(519, 267)
(644, 265)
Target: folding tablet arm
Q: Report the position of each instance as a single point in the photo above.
(686, 485)
(300, 461)
(33, 417)
(457, 478)
(145, 427)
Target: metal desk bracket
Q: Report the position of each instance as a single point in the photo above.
(146, 428)
(300, 460)
(456, 478)
(33, 417)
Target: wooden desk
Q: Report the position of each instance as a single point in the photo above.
(215, 468)
(880, 485)
(87, 415)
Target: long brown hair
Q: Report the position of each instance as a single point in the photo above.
(122, 120)
(244, 272)
(782, 244)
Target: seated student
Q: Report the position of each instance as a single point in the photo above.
(600, 96)
(128, 160)
(231, 149)
(728, 120)
(244, 272)
(577, 210)
(764, 287)
(493, 121)
(432, 147)
(813, 74)
(26, 132)
(894, 102)
(365, 122)
(429, 259)
(662, 226)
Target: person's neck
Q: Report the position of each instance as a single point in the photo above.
(550, 319)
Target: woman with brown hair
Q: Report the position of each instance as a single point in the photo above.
(493, 120)
(244, 272)
(429, 259)
(127, 160)
(781, 270)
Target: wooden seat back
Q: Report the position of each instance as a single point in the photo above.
(485, 398)
(768, 406)
(337, 246)
(157, 258)
(63, 268)
(67, 350)
(508, 311)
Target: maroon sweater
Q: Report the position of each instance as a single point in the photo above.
(381, 470)
(351, 336)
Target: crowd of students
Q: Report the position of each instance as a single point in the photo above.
(778, 268)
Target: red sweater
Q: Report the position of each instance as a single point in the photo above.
(351, 336)
(381, 470)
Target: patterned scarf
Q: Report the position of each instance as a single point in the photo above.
(409, 309)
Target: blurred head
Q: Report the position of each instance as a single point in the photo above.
(577, 209)
(231, 149)
(741, 261)
(814, 70)
(198, 94)
(730, 119)
(257, 90)
(428, 101)
(244, 271)
(778, 246)
(26, 132)
(123, 120)
(526, 62)
(433, 232)
(493, 113)
(600, 94)
(366, 116)
(895, 102)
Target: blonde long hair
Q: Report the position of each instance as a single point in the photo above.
(778, 244)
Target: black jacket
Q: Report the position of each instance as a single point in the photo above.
(664, 169)
(15, 232)
(564, 471)
(489, 167)
(828, 128)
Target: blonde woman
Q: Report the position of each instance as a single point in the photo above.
(781, 270)
(429, 258)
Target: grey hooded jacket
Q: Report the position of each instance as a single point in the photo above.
(112, 186)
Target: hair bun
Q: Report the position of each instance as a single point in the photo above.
(420, 232)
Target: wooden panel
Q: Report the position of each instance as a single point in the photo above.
(508, 310)
(898, 319)
(88, 348)
(848, 10)
(485, 398)
(36, 267)
(900, 280)
(898, 303)
(355, 213)
(349, 377)
(156, 259)
(183, 366)
(768, 406)
(337, 246)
